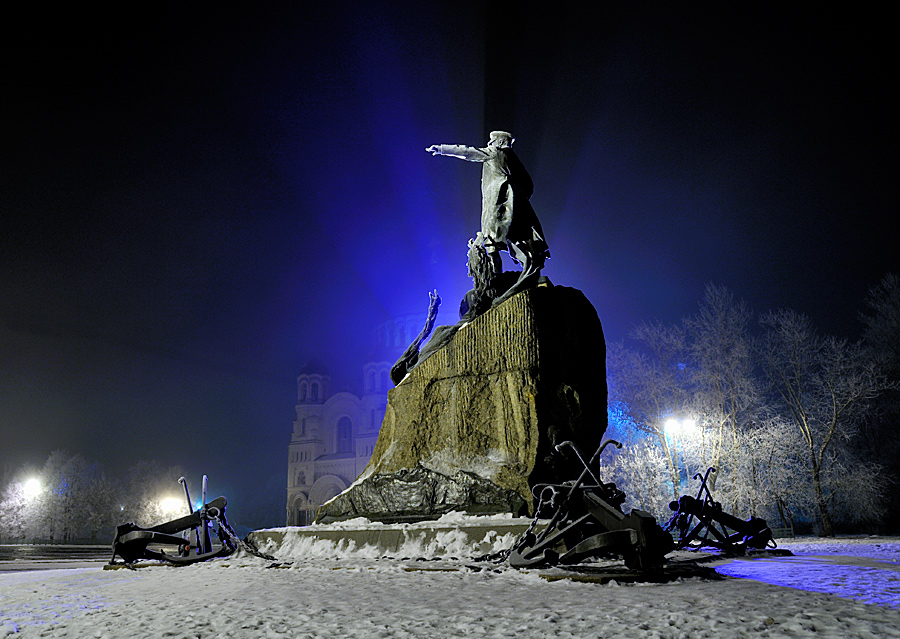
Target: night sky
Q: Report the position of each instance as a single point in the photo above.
(199, 199)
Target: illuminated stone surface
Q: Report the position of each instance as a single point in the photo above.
(474, 425)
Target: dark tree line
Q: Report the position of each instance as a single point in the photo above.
(70, 499)
(801, 427)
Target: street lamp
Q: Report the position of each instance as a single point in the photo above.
(170, 505)
(680, 427)
(31, 488)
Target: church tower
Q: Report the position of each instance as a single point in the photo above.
(334, 434)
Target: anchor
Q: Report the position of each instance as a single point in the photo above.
(188, 536)
(588, 521)
(712, 524)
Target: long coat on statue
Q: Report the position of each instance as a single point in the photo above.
(506, 188)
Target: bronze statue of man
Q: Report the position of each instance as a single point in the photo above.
(508, 222)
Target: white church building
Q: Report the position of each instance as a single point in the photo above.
(334, 434)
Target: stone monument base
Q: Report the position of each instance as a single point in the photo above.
(419, 494)
(474, 426)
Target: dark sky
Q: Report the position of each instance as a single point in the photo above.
(198, 199)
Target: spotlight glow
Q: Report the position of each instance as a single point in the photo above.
(31, 488)
(680, 427)
(171, 505)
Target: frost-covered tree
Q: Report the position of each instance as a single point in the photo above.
(79, 501)
(55, 501)
(13, 512)
(880, 438)
(779, 417)
(701, 369)
(98, 506)
(75, 503)
(652, 385)
(824, 386)
(640, 471)
(882, 324)
(148, 484)
(726, 397)
(766, 475)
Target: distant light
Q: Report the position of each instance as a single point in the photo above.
(171, 505)
(680, 427)
(32, 488)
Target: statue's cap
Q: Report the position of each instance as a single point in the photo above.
(502, 135)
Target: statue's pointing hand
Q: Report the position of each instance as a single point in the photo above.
(434, 149)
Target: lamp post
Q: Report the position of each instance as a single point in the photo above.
(678, 429)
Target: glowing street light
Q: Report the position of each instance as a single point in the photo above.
(32, 488)
(680, 427)
(171, 505)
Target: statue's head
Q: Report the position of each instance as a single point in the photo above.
(501, 138)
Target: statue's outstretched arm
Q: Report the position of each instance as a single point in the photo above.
(459, 151)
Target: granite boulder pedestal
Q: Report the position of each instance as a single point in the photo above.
(473, 427)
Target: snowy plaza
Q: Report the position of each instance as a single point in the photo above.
(828, 588)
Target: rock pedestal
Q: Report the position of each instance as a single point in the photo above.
(473, 427)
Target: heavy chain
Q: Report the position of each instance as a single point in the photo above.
(523, 539)
(238, 542)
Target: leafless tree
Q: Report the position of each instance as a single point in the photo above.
(98, 505)
(726, 394)
(702, 369)
(653, 385)
(766, 475)
(13, 512)
(882, 324)
(825, 386)
(640, 471)
(75, 503)
(147, 484)
(880, 438)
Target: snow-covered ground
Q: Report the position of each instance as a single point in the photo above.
(830, 588)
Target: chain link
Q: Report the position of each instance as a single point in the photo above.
(522, 540)
(240, 543)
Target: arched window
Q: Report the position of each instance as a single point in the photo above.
(344, 435)
(314, 392)
(371, 382)
(302, 393)
(301, 478)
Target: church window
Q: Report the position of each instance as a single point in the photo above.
(302, 393)
(344, 435)
(314, 392)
